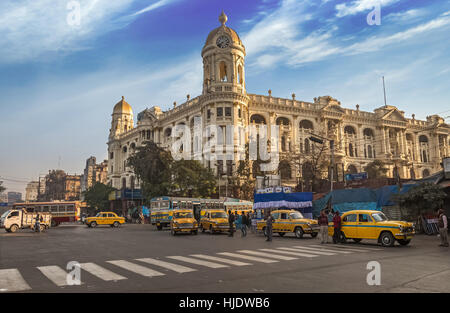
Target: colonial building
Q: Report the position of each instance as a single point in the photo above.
(410, 148)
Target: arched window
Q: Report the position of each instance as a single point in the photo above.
(124, 149)
(168, 132)
(307, 146)
(283, 143)
(369, 152)
(257, 119)
(223, 72)
(240, 76)
(368, 133)
(306, 124)
(285, 170)
(283, 121)
(349, 130)
(351, 169)
(350, 149)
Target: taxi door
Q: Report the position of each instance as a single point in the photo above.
(276, 223)
(366, 227)
(284, 222)
(103, 219)
(350, 225)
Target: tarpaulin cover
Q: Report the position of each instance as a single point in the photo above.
(301, 201)
(385, 193)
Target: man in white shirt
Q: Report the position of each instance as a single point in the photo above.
(443, 228)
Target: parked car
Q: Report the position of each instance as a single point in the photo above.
(183, 221)
(368, 224)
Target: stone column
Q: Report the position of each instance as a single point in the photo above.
(383, 144)
(295, 130)
(417, 147)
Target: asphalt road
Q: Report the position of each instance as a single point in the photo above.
(33, 262)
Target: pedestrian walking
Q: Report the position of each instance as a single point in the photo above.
(443, 228)
(37, 223)
(243, 225)
(337, 235)
(269, 227)
(231, 218)
(323, 223)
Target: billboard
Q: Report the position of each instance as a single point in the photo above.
(357, 176)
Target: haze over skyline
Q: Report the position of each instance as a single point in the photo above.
(60, 82)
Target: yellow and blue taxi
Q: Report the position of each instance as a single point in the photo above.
(214, 221)
(183, 221)
(368, 224)
(290, 221)
(105, 218)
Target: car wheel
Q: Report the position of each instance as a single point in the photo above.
(13, 228)
(404, 242)
(281, 234)
(298, 232)
(195, 232)
(356, 240)
(211, 230)
(387, 240)
(41, 228)
(116, 224)
(54, 224)
(93, 224)
(201, 228)
(314, 235)
(158, 227)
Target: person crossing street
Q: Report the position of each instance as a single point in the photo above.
(231, 219)
(269, 229)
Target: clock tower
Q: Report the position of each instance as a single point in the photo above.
(223, 60)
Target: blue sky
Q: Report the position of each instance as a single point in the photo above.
(59, 83)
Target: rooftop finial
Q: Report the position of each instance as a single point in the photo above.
(123, 98)
(223, 18)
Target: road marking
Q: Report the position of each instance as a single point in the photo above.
(56, 274)
(12, 280)
(101, 272)
(322, 249)
(357, 247)
(346, 249)
(198, 262)
(269, 255)
(290, 253)
(308, 250)
(171, 266)
(135, 268)
(214, 258)
(247, 257)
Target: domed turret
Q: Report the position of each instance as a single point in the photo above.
(122, 118)
(223, 59)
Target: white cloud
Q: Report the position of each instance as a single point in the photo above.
(154, 6)
(281, 37)
(30, 28)
(358, 6)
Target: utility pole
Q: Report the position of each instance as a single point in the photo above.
(384, 91)
(332, 164)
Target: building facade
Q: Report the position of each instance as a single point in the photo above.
(32, 191)
(93, 173)
(409, 147)
(61, 186)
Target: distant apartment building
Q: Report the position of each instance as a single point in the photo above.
(32, 191)
(94, 173)
(14, 197)
(61, 186)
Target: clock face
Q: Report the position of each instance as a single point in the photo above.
(223, 42)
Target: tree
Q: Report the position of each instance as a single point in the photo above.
(376, 169)
(191, 179)
(97, 196)
(151, 164)
(160, 174)
(420, 198)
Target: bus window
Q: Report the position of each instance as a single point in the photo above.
(54, 209)
(45, 208)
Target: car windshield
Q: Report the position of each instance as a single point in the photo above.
(218, 215)
(183, 215)
(379, 217)
(98, 215)
(296, 215)
(4, 215)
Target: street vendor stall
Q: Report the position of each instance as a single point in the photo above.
(300, 201)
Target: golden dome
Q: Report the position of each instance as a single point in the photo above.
(223, 30)
(122, 107)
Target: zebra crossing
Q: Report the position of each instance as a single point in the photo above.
(11, 280)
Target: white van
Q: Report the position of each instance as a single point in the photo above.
(12, 220)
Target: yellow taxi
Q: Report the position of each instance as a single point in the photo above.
(183, 221)
(105, 218)
(368, 224)
(214, 221)
(290, 221)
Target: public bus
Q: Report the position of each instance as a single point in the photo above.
(61, 211)
(239, 206)
(161, 208)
